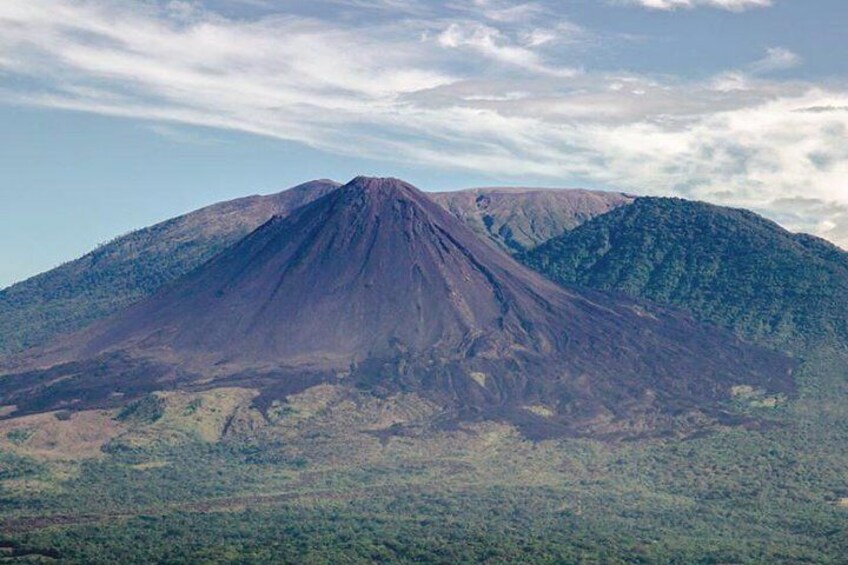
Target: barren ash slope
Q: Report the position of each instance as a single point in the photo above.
(136, 265)
(376, 286)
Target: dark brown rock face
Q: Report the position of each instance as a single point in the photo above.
(376, 286)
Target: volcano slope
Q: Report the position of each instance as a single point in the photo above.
(134, 266)
(376, 287)
(518, 219)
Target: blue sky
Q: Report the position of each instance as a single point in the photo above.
(116, 115)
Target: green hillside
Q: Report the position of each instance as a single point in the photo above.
(727, 266)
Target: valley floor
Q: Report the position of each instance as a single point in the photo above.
(330, 478)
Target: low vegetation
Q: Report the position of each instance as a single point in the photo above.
(331, 475)
(726, 266)
(330, 478)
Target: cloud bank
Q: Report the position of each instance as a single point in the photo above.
(493, 89)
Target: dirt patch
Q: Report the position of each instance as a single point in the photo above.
(479, 378)
(541, 410)
(80, 436)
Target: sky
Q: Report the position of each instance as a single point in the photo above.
(116, 114)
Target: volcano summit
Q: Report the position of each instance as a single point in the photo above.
(374, 286)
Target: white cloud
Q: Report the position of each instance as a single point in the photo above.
(472, 94)
(776, 59)
(826, 218)
(505, 11)
(732, 5)
(494, 44)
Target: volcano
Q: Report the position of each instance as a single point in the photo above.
(375, 287)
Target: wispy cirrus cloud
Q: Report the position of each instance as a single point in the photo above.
(732, 5)
(459, 89)
(494, 44)
(505, 10)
